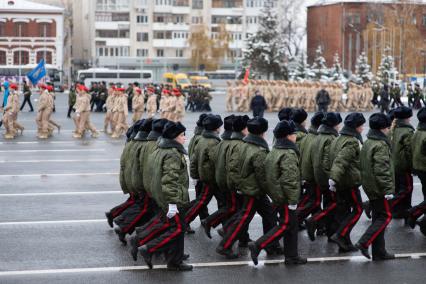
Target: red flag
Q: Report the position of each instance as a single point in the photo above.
(246, 76)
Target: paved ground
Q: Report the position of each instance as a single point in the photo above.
(52, 198)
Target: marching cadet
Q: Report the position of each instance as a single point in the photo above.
(327, 132)
(164, 103)
(252, 185)
(179, 103)
(299, 116)
(402, 157)
(82, 114)
(43, 113)
(109, 104)
(225, 212)
(138, 101)
(121, 112)
(229, 96)
(281, 167)
(202, 167)
(169, 185)
(345, 179)
(418, 145)
(378, 183)
(311, 201)
(51, 108)
(10, 115)
(151, 103)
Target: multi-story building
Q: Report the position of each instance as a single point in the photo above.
(153, 34)
(29, 32)
(351, 27)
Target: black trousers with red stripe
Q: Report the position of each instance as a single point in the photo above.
(348, 211)
(403, 193)
(238, 225)
(420, 209)
(171, 240)
(375, 234)
(151, 229)
(287, 228)
(205, 196)
(136, 215)
(225, 212)
(326, 217)
(204, 211)
(117, 210)
(310, 203)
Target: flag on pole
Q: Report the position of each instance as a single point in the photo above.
(37, 73)
(246, 76)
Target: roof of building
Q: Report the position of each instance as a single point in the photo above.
(333, 2)
(27, 6)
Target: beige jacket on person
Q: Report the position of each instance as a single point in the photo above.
(138, 102)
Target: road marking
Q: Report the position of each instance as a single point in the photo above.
(197, 265)
(52, 222)
(63, 174)
(52, 150)
(60, 161)
(58, 142)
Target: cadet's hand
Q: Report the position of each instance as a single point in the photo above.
(389, 196)
(194, 182)
(172, 211)
(332, 185)
(292, 207)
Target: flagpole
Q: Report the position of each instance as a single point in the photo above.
(20, 61)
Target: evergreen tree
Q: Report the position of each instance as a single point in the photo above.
(319, 66)
(336, 72)
(301, 71)
(387, 71)
(362, 70)
(264, 51)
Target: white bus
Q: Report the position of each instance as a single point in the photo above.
(218, 78)
(11, 74)
(124, 77)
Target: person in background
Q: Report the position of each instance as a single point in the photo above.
(27, 97)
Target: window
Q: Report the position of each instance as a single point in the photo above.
(162, 34)
(197, 20)
(142, 37)
(106, 75)
(2, 29)
(2, 57)
(197, 4)
(44, 30)
(160, 52)
(120, 17)
(25, 57)
(20, 29)
(142, 52)
(142, 19)
(46, 55)
(179, 52)
(130, 75)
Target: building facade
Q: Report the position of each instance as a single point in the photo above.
(29, 32)
(374, 27)
(153, 34)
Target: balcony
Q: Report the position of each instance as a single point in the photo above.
(28, 40)
(170, 27)
(175, 43)
(113, 41)
(227, 11)
(112, 25)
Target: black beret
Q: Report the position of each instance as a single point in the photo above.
(227, 122)
(158, 124)
(299, 115)
(284, 128)
(331, 119)
(146, 125)
(317, 118)
(257, 125)
(354, 120)
(285, 113)
(212, 122)
(379, 121)
(403, 112)
(173, 129)
(421, 115)
(240, 122)
(200, 119)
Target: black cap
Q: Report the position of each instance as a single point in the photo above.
(354, 120)
(284, 128)
(391, 114)
(146, 126)
(421, 115)
(379, 121)
(285, 113)
(299, 115)
(317, 118)
(403, 112)
(227, 122)
(134, 129)
(240, 122)
(173, 129)
(331, 119)
(158, 124)
(257, 125)
(200, 119)
(212, 122)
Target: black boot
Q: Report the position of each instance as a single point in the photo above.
(207, 228)
(310, 228)
(134, 250)
(189, 230)
(109, 219)
(385, 256)
(228, 253)
(147, 256)
(179, 267)
(341, 242)
(254, 252)
(121, 235)
(295, 260)
(363, 250)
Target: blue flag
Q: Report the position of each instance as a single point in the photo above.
(37, 73)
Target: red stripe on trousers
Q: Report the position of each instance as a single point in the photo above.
(304, 200)
(317, 200)
(152, 224)
(357, 215)
(153, 234)
(229, 242)
(194, 212)
(279, 232)
(123, 207)
(388, 219)
(325, 212)
(169, 238)
(408, 181)
(139, 216)
(231, 210)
